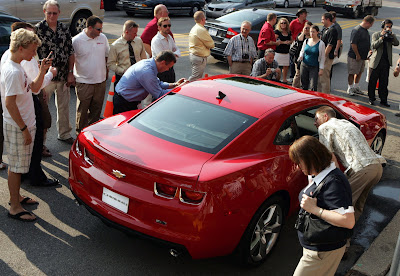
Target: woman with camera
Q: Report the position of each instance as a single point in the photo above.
(283, 34)
(325, 201)
(295, 49)
(312, 57)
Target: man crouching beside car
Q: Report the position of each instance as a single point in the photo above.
(267, 67)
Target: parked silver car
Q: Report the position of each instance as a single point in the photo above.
(73, 13)
(289, 3)
(218, 8)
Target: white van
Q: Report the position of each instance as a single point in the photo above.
(354, 8)
(73, 13)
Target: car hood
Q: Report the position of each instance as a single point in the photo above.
(225, 5)
(133, 147)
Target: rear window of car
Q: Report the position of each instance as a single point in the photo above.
(238, 17)
(192, 123)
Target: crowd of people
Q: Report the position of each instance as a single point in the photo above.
(144, 71)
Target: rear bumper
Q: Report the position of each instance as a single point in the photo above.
(199, 230)
(341, 10)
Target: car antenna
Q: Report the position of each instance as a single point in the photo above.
(221, 95)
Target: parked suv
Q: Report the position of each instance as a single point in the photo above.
(5, 31)
(73, 13)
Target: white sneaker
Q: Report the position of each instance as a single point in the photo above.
(350, 91)
(357, 90)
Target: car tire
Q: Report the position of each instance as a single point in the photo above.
(131, 14)
(301, 4)
(357, 13)
(78, 23)
(314, 4)
(286, 4)
(262, 232)
(378, 143)
(194, 9)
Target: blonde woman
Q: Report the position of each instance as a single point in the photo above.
(282, 33)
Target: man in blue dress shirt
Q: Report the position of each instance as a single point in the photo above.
(141, 80)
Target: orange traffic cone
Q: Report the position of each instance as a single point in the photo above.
(108, 111)
(377, 84)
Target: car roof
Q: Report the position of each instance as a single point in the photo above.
(6, 15)
(248, 95)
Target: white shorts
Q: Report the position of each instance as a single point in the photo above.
(19, 155)
(282, 59)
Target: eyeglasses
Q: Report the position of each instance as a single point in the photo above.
(98, 29)
(166, 25)
(283, 23)
(51, 13)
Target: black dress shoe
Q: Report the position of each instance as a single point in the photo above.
(47, 183)
(371, 102)
(69, 140)
(385, 104)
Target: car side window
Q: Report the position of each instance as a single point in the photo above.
(288, 132)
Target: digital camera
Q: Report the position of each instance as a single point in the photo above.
(245, 56)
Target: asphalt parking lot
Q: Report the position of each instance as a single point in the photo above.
(68, 240)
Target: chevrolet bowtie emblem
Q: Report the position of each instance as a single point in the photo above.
(118, 174)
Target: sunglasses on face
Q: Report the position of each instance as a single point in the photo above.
(51, 13)
(166, 25)
(283, 23)
(98, 29)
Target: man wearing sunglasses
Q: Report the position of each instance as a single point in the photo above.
(90, 70)
(163, 41)
(56, 39)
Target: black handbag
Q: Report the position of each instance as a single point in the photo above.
(294, 48)
(318, 231)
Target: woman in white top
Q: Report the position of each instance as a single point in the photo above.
(312, 55)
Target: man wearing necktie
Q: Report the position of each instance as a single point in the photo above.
(126, 50)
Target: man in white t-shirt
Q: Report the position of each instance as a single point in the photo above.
(90, 71)
(19, 114)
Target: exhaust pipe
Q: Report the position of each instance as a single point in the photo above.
(174, 253)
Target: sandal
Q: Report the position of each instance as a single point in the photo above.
(25, 201)
(2, 166)
(20, 214)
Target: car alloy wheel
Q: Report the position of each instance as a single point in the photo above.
(262, 233)
(78, 23)
(314, 4)
(194, 10)
(286, 4)
(377, 144)
(301, 4)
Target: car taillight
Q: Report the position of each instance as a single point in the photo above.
(102, 5)
(88, 156)
(191, 197)
(164, 190)
(231, 33)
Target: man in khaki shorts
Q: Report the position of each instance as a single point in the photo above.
(358, 53)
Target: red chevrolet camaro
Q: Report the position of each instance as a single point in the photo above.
(206, 167)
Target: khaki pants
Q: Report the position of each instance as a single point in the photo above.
(324, 81)
(296, 78)
(89, 103)
(361, 183)
(198, 67)
(314, 263)
(62, 98)
(242, 68)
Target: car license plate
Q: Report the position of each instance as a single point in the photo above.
(115, 200)
(212, 31)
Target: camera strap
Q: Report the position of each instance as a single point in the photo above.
(242, 42)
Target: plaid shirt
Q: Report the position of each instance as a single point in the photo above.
(238, 45)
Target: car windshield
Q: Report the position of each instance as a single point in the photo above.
(238, 17)
(192, 123)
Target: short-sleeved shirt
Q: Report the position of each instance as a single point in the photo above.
(296, 27)
(283, 48)
(60, 42)
(15, 82)
(335, 194)
(266, 35)
(360, 37)
(150, 31)
(338, 29)
(238, 45)
(161, 43)
(90, 58)
(260, 67)
(329, 37)
(348, 143)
